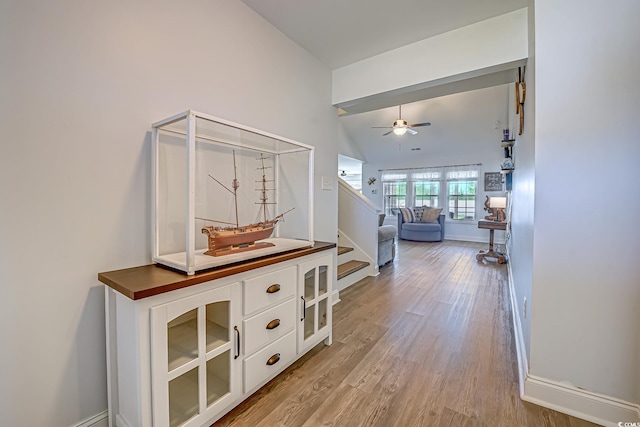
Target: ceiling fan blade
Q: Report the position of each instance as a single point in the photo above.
(420, 124)
(385, 134)
(412, 132)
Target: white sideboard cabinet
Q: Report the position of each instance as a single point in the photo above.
(184, 350)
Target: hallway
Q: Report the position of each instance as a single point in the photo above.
(426, 343)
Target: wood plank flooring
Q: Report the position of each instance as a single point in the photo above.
(429, 342)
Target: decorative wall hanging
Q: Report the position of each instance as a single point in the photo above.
(492, 181)
(521, 94)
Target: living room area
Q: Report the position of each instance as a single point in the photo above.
(449, 166)
(438, 166)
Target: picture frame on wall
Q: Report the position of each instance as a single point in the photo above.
(492, 181)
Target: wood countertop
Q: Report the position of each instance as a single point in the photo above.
(153, 279)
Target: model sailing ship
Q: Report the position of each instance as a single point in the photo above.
(239, 238)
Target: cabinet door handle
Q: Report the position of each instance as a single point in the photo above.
(273, 324)
(235, 328)
(304, 310)
(273, 288)
(273, 359)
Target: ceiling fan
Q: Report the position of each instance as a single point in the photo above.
(400, 127)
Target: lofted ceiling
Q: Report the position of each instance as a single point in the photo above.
(339, 33)
(459, 120)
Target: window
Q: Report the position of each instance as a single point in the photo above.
(426, 189)
(462, 186)
(394, 192)
(453, 188)
(395, 195)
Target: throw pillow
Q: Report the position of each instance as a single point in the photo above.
(381, 219)
(418, 211)
(407, 215)
(431, 214)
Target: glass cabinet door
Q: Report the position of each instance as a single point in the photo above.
(315, 301)
(194, 347)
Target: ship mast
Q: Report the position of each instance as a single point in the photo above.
(264, 189)
(235, 185)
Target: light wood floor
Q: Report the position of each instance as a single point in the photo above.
(429, 342)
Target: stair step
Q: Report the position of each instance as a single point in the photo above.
(344, 250)
(350, 267)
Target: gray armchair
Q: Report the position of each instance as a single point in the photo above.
(386, 242)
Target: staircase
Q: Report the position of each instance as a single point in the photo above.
(357, 238)
(351, 267)
(350, 270)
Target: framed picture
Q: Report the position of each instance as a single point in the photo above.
(492, 181)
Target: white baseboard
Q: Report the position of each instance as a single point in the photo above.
(474, 239)
(98, 420)
(594, 407)
(335, 297)
(521, 350)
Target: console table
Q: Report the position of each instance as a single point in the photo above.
(184, 350)
(492, 226)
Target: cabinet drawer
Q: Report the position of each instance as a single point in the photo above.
(263, 291)
(269, 325)
(279, 354)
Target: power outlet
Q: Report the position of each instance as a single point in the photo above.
(524, 311)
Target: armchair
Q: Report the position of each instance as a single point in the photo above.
(421, 231)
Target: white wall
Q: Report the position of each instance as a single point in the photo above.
(465, 133)
(81, 83)
(522, 196)
(586, 275)
(346, 145)
(465, 52)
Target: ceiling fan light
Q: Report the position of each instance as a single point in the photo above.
(400, 127)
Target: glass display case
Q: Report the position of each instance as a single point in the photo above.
(224, 193)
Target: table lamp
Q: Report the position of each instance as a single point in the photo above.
(498, 204)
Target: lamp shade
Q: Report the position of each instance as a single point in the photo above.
(498, 202)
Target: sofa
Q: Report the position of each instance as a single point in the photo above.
(416, 230)
(386, 242)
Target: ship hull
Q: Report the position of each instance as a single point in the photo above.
(223, 241)
(237, 238)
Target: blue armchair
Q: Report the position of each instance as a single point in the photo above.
(421, 231)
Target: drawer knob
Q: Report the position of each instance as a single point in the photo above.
(273, 324)
(273, 359)
(273, 289)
